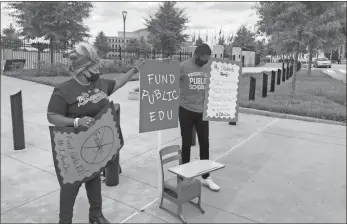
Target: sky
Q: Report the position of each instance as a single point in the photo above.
(206, 17)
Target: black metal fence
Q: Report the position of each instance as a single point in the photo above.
(35, 55)
(38, 55)
(131, 54)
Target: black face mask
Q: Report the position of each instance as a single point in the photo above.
(93, 77)
(200, 62)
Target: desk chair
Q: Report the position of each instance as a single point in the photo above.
(184, 190)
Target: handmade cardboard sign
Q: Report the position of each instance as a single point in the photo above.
(222, 90)
(80, 154)
(159, 95)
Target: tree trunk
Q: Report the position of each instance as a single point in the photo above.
(310, 60)
(296, 55)
(39, 59)
(51, 49)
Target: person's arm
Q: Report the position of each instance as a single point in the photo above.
(57, 113)
(60, 120)
(57, 110)
(121, 81)
(127, 76)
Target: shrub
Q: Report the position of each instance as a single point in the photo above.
(117, 66)
(42, 69)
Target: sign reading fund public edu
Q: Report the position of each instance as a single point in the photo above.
(222, 90)
(159, 95)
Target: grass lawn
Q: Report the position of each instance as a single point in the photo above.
(318, 96)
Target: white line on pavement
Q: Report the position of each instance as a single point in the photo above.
(141, 210)
(254, 134)
(233, 148)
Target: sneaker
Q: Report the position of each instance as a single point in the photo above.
(209, 183)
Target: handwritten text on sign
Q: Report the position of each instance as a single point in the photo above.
(79, 156)
(159, 95)
(222, 90)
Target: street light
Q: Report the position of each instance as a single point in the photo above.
(124, 13)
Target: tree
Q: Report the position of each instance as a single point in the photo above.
(144, 46)
(244, 38)
(10, 38)
(101, 44)
(199, 41)
(260, 49)
(165, 28)
(285, 21)
(133, 45)
(296, 25)
(40, 48)
(59, 22)
(221, 40)
(138, 44)
(326, 28)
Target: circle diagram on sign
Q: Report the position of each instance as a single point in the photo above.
(98, 146)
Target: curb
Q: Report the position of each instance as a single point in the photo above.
(287, 116)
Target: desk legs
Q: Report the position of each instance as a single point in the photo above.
(198, 205)
(179, 213)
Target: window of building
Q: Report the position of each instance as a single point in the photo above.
(239, 56)
(122, 41)
(109, 40)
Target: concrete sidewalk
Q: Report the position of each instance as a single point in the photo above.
(277, 170)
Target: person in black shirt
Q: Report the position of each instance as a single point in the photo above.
(74, 103)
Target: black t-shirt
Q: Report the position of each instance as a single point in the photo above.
(72, 99)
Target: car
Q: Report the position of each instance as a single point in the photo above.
(322, 62)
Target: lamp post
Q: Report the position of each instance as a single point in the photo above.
(124, 13)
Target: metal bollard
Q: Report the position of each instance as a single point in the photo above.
(273, 80)
(264, 88)
(252, 85)
(17, 121)
(279, 76)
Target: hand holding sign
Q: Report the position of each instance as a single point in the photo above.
(80, 154)
(86, 122)
(139, 63)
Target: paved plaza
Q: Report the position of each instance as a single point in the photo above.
(277, 170)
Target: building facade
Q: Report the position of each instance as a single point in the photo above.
(117, 42)
(135, 34)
